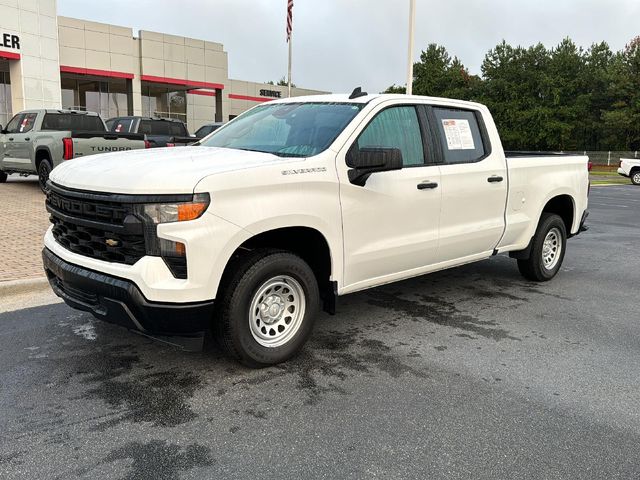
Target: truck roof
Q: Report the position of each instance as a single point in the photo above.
(60, 111)
(364, 99)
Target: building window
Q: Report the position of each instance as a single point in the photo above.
(108, 97)
(163, 102)
(5, 94)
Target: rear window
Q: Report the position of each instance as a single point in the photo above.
(72, 121)
(120, 125)
(460, 135)
(162, 127)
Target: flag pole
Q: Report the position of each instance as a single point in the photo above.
(289, 34)
(289, 69)
(412, 22)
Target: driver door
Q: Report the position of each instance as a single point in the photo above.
(17, 142)
(390, 224)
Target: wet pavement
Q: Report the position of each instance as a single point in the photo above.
(469, 373)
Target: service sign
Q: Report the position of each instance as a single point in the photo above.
(270, 93)
(9, 40)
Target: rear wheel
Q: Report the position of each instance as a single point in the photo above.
(44, 169)
(547, 250)
(635, 177)
(266, 307)
(3, 177)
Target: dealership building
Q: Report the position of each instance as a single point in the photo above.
(48, 61)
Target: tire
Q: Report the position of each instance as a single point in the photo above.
(44, 169)
(544, 263)
(266, 308)
(3, 177)
(635, 177)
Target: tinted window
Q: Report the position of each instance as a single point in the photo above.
(120, 125)
(14, 125)
(459, 135)
(286, 129)
(396, 127)
(72, 121)
(204, 131)
(162, 127)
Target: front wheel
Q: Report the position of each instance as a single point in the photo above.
(635, 177)
(3, 177)
(547, 250)
(44, 169)
(266, 308)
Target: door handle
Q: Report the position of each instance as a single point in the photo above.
(27, 139)
(494, 179)
(427, 185)
(11, 139)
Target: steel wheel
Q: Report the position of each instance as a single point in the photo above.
(551, 248)
(276, 311)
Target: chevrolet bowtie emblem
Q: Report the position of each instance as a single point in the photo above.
(111, 242)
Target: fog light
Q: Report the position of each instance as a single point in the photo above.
(174, 255)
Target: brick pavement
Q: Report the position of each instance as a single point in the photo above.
(23, 222)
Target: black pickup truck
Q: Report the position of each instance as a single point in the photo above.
(159, 132)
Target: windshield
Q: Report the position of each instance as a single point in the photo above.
(286, 129)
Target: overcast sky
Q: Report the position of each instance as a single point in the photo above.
(340, 44)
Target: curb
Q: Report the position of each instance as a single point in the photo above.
(609, 185)
(14, 287)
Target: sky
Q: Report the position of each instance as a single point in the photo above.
(341, 44)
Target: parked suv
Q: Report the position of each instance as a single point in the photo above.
(205, 130)
(159, 132)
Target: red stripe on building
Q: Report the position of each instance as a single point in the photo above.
(179, 81)
(10, 55)
(206, 93)
(253, 99)
(97, 73)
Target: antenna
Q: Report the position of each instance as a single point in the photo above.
(357, 92)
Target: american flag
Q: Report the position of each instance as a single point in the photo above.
(289, 18)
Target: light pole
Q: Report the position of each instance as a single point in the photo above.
(412, 22)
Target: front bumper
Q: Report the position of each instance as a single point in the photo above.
(120, 301)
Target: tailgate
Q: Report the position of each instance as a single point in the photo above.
(89, 143)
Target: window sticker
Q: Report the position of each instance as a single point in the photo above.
(24, 124)
(458, 133)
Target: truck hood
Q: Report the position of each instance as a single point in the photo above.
(156, 170)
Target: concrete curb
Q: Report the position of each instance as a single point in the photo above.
(609, 185)
(14, 287)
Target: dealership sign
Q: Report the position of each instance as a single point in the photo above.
(270, 93)
(8, 40)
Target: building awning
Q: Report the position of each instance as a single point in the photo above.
(9, 55)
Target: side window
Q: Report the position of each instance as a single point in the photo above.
(14, 125)
(122, 125)
(460, 135)
(27, 122)
(396, 127)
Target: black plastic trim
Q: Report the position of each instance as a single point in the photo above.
(119, 197)
(120, 301)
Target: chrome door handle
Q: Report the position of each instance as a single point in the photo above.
(427, 185)
(494, 179)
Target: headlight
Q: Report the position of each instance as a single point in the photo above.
(173, 253)
(157, 213)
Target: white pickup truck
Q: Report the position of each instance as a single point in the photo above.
(630, 168)
(297, 202)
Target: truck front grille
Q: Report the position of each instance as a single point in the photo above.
(89, 225)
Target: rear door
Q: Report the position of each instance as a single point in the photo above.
(390, 224)
(474, 184)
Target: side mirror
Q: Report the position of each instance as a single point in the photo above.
(365, 161)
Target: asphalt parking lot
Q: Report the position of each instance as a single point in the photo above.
(469, 373)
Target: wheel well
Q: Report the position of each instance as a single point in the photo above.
(308, 243)
(633, 170)
(41, 154)
(562, 206)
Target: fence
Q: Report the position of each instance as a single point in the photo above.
(610, 158)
